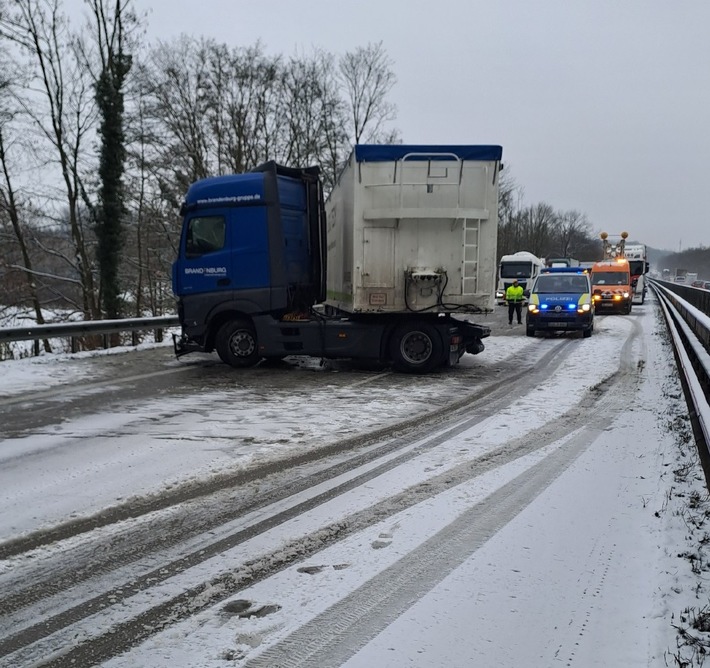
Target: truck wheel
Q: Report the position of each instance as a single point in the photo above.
(236, 344)
(416, 348)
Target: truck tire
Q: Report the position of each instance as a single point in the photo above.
(236, 344)
(416, 348)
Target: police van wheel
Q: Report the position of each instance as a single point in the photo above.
(586, 333)
(236, 344)
(529, 331)
(416, 348)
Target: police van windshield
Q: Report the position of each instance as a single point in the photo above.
(610, 278)
(550, 283)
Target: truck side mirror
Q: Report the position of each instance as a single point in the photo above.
(635, 282)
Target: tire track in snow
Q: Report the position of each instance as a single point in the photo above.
(339, 632)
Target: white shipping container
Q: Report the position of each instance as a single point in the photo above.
(414, 228)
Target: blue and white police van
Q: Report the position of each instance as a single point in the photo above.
(561, 301)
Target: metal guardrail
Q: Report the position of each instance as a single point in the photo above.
(687, 313)
(73, 330)
(689, 300)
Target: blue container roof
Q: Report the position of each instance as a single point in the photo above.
(390, 152)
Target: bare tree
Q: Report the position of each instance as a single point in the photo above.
(539, 229)
(510, 197)
(537, 223)
(11, 207)
(367, 78)
(61, 112)
(218, 111)
(246, 93)
(312, 108)
(152, 226)
(179, 101)
(571, 232)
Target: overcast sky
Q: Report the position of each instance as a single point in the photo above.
(600, 105)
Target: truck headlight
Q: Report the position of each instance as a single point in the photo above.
(626, 295)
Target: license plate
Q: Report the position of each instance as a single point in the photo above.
(558, 324)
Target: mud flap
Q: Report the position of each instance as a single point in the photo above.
(182, 345)
(475, 347)
(473, 335)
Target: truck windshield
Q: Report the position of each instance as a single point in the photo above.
(610, 278)
(205, 234)
(637, 267)
(550, 284)
(515, 269)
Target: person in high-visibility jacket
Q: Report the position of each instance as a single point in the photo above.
(514, 296)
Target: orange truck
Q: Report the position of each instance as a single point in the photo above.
(611, 286)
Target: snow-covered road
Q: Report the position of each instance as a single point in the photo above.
(545, 531)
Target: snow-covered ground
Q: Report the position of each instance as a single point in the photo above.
(597, 570)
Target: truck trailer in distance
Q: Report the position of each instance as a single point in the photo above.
(387, 270)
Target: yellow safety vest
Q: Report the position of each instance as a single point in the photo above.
(514, 293)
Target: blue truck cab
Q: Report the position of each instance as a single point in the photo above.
(251, 244)
(561, 300)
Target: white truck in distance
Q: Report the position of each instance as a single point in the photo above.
(522, 266)
(638, 265)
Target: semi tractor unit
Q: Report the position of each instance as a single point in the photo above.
(523, 267)
(388, 269)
